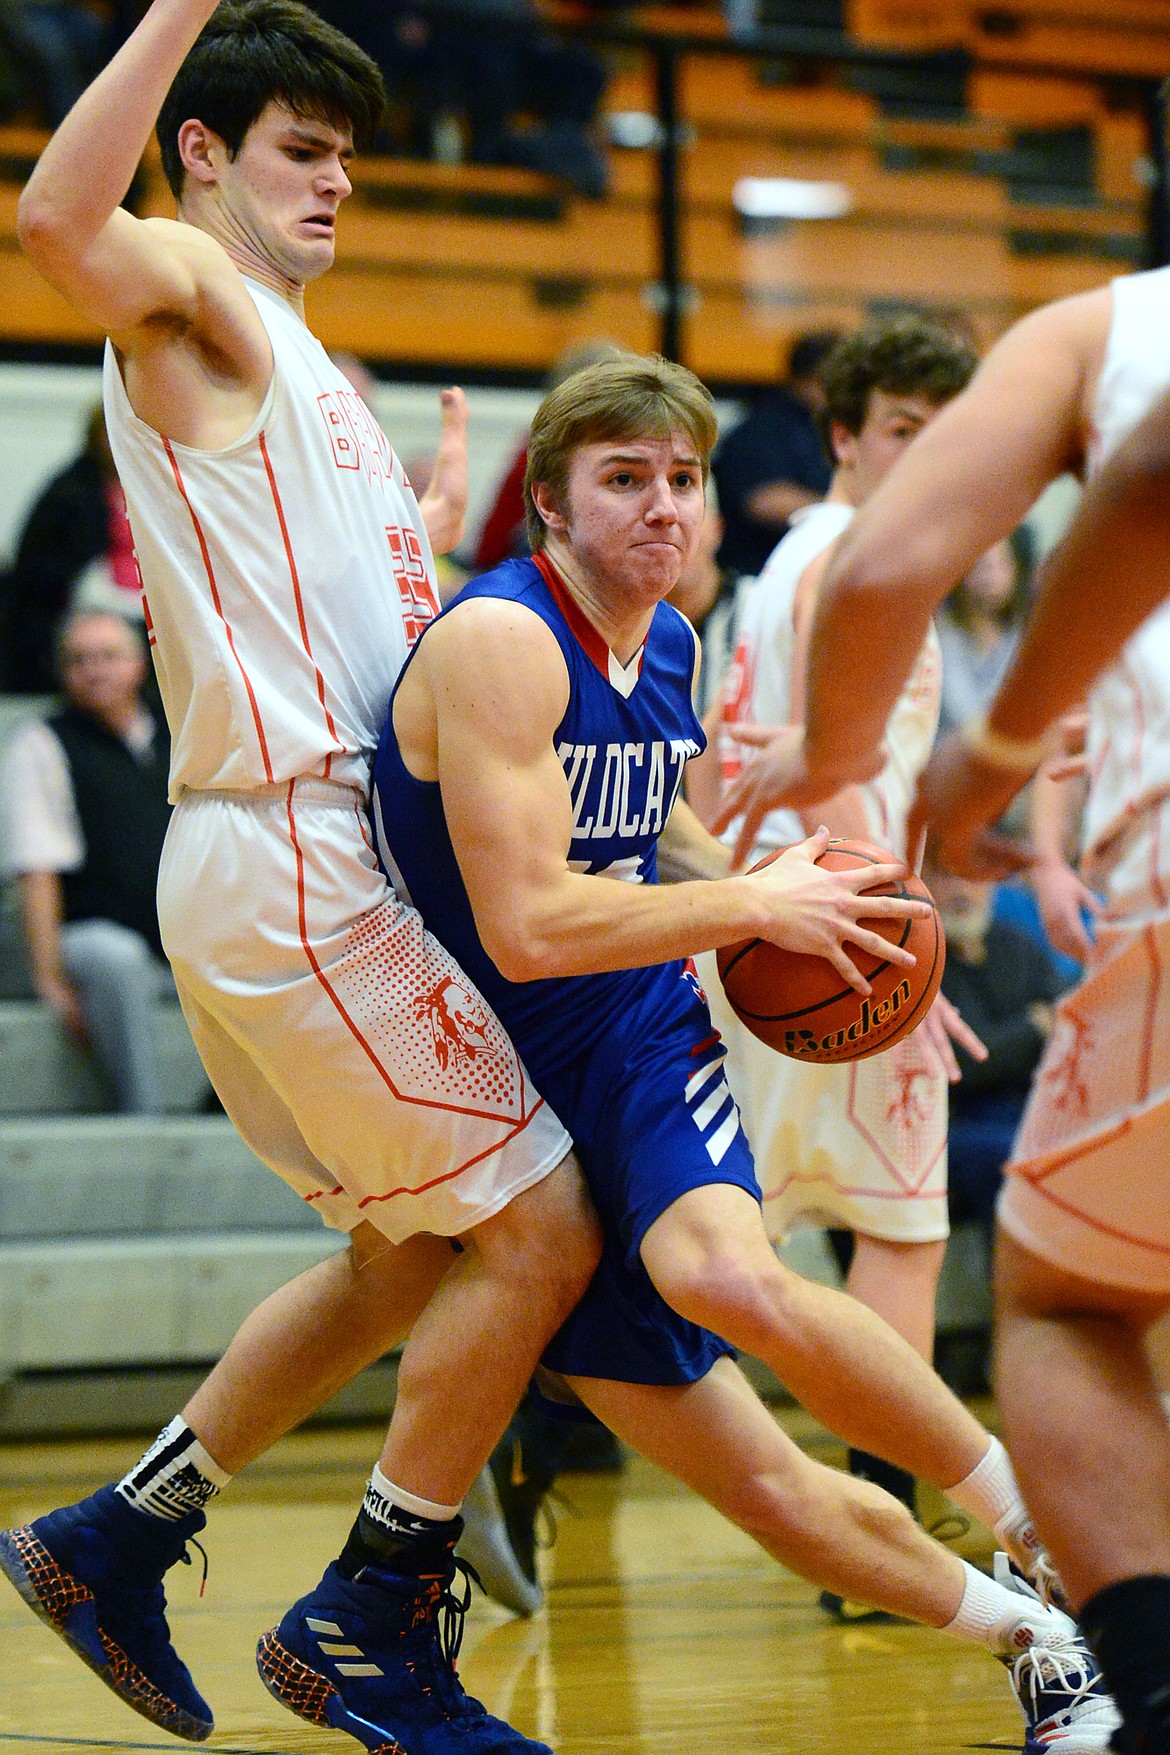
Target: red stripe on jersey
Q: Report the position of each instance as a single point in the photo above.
(581, 628)
(296, 585)
(203, 549)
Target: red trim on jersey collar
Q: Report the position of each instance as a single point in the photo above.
(581, 628)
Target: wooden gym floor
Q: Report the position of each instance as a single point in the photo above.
(667, 1632)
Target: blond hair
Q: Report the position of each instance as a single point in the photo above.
(630, 396)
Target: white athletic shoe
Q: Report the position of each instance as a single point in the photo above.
(485, 1542)
(1056, 1678)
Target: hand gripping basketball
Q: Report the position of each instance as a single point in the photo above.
(803, 1006)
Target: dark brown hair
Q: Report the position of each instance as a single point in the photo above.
(905, 355)
(628, 396)
(255, 52)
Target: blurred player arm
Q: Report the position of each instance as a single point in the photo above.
(117, 270)
(687, 850)
(704, 782)
(769, 776)
(1079, 625)
(444, 505)
(1064, 899)
(964, 483)
(844, 812)
(497, 686)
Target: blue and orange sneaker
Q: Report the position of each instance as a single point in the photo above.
(375, 1654)
(93, 1573)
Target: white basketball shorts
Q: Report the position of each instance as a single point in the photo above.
(1087, 1188)
(346, 1045)
(862, 1146)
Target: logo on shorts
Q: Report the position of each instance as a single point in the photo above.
(908, 1105)
(1065, 1079)
(459, 1023)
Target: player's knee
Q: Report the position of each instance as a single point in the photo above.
(716, 1285)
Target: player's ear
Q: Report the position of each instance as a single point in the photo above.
(201, 150)
(550, 513)
(842, 443)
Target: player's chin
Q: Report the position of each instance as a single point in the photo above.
(659, 566)
(316, 257)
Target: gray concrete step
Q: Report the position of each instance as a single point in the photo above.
(137, 1301)
(129, 1175)
(43, 1072)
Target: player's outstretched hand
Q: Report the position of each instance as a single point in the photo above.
(444, 505)
(959, 797)
(777, 774)
(1064, 900)
(941, 1026)
(819, 912)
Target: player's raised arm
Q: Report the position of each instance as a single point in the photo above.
(118, 270)
(966, 481)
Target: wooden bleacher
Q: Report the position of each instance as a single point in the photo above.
(1127, 38)
(500, 270)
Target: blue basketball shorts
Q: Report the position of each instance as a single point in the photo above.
(652, 1117)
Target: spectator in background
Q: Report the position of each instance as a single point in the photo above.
(57, 47)
(504, 534)
(774, 462)
(979, 628)
(1005, 983)
(75, 550)
(83, 807)
(525, 96)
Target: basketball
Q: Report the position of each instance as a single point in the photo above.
(799, 1005)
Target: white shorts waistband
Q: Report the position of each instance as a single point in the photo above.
(336, 792)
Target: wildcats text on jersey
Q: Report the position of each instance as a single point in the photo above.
(627, 789)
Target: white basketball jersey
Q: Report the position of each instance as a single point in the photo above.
(284, 578)
(759, 687)
(1129, 709)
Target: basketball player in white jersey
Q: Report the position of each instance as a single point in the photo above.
(859, 1146)
(286, 572)
(1084, 1251)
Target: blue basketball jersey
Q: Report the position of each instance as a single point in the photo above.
(630, 1061)
(624, 743)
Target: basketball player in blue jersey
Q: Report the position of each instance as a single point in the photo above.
(528, 775)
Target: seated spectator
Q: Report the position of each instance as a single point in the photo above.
(774, 462)
(75, 551)
(57, 46)
(979, 628)
(1005, 983)
(525, 96)
(83, 810)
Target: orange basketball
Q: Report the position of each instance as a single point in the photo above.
(799, 1004)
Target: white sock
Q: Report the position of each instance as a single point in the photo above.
(1001, 1619)
(991, 1494)
(175, 1477)
(383, 1499)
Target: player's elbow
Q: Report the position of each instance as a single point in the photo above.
(519, 943)
(517, 959)
(40, 227)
